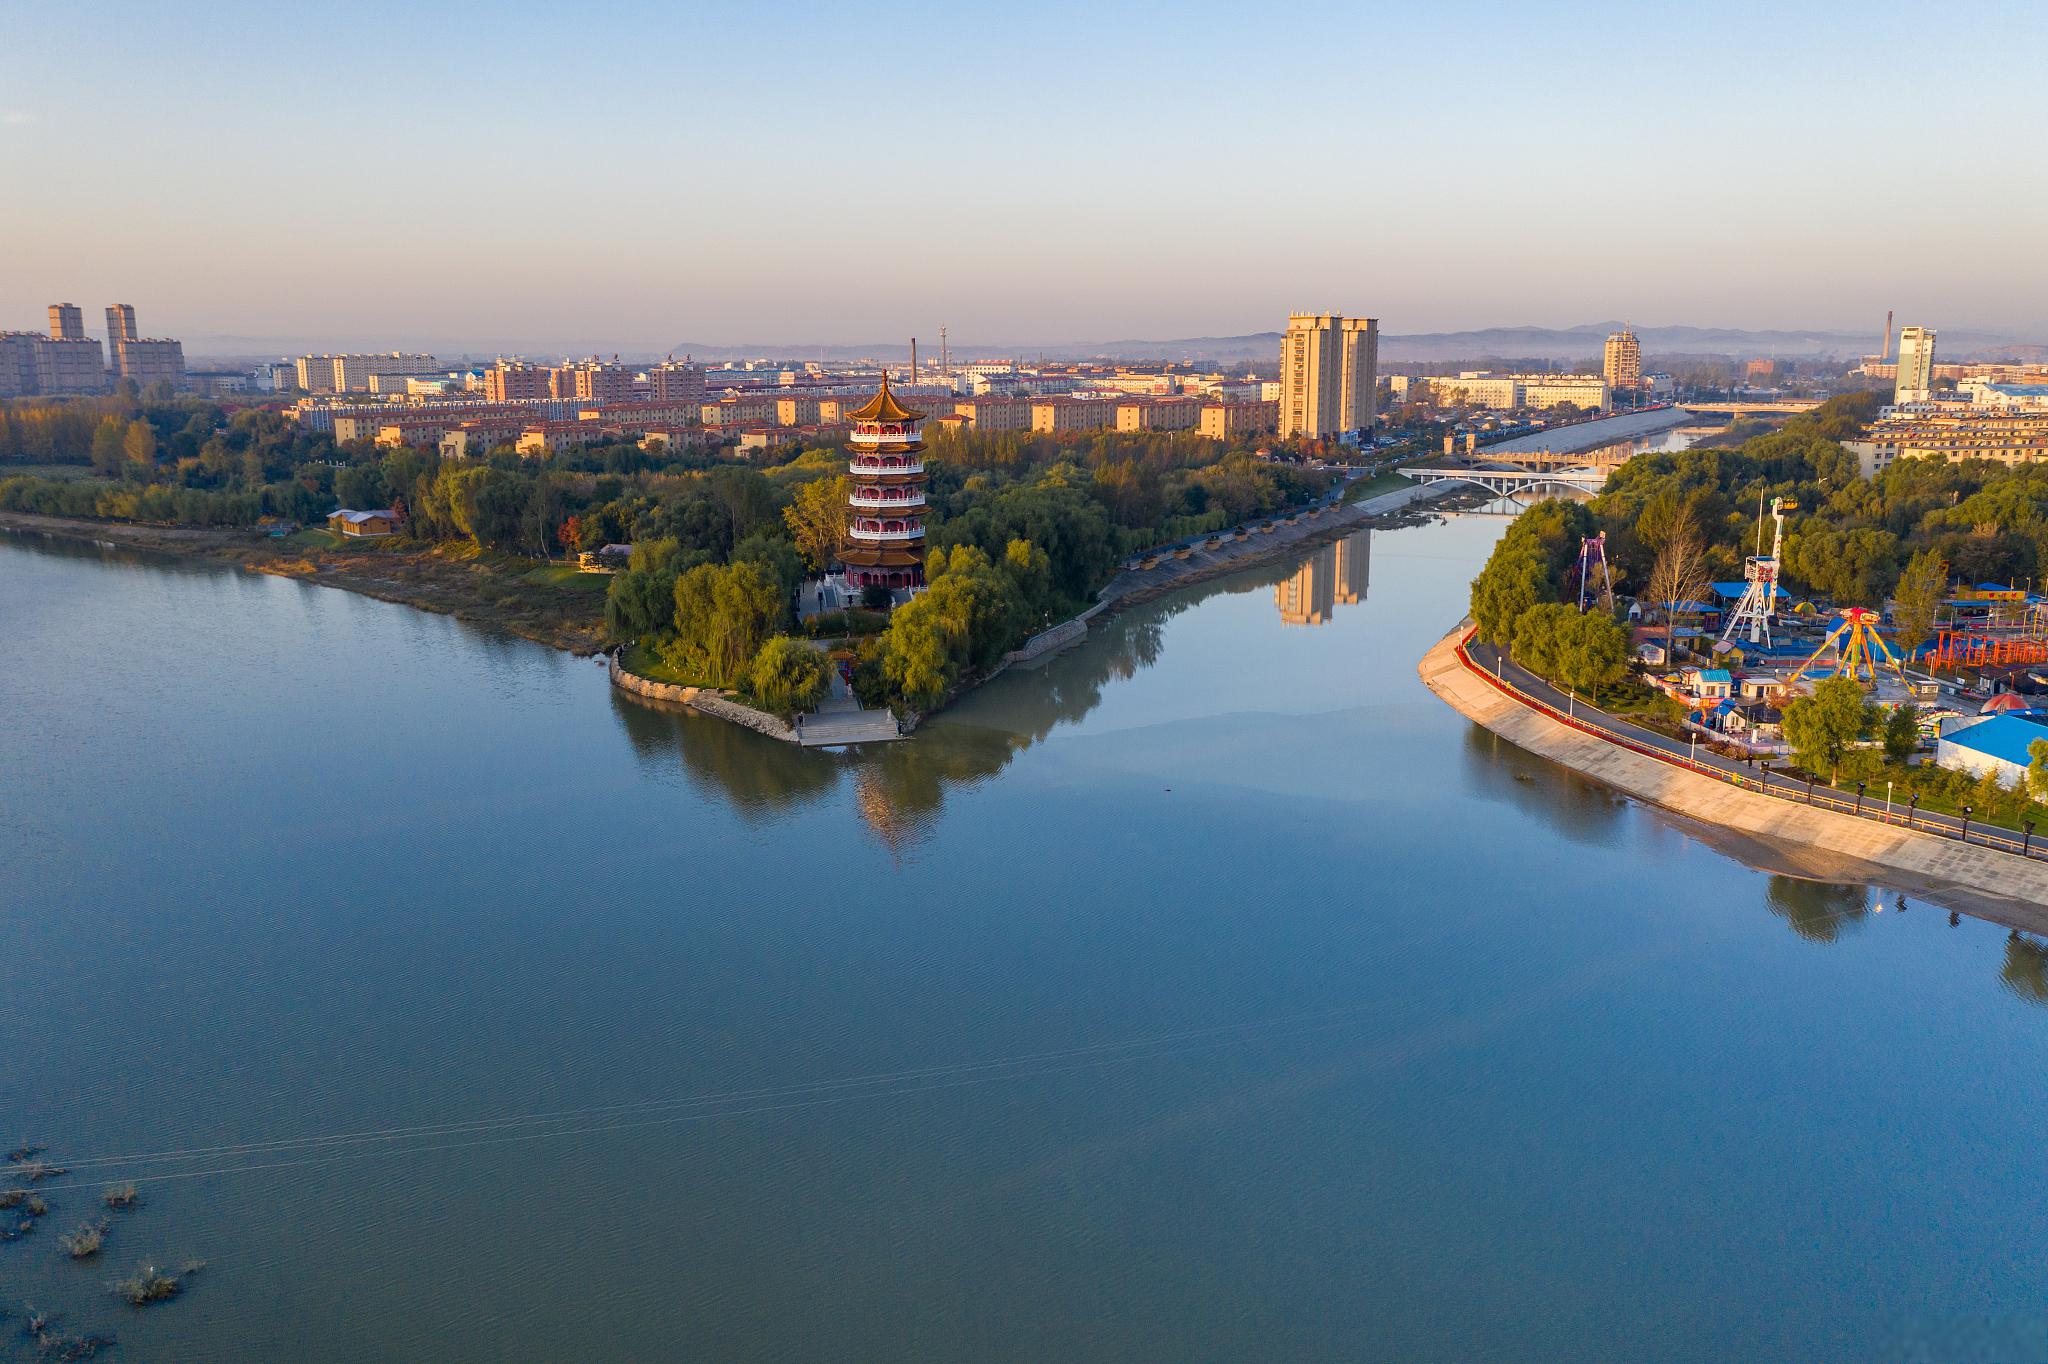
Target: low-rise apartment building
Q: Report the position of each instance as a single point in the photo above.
(2009, 438)
(1071, 414)
(1226, 421)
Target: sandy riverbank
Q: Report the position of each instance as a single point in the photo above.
(1823, 843)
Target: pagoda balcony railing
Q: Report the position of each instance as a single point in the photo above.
(883, 501)
(884, 464)
(903, 434)
(886, 537)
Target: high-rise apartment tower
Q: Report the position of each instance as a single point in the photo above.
(1916, 365)
(1622, 365)
(67, 322)
(1329, 374)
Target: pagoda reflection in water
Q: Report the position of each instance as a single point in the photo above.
(1335, 575)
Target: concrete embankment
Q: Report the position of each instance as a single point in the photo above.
(1992, 884)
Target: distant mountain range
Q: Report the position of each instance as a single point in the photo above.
(1546, 344)
(1534, 343)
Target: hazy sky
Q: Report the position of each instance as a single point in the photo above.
(633, 175)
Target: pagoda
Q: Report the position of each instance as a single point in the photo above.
(885, 530)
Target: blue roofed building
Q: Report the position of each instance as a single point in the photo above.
(1997, 745)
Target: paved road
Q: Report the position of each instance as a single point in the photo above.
(1489, 657)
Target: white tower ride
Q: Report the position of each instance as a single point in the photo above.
(1760, 598)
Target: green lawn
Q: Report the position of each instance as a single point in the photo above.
(640, 658)
(1387, 482)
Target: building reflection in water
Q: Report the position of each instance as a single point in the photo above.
(1335, 575)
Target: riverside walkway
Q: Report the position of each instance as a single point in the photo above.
(1997, 873)
(1753, 776)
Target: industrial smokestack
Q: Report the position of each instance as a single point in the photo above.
(913, 359)
(1884, 352)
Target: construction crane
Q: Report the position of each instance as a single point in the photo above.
(1760, 597)
(1593, 550)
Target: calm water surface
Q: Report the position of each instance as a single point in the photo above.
(1213, 993)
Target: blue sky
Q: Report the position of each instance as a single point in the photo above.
(635, 175)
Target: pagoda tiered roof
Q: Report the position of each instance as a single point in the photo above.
(883, 407)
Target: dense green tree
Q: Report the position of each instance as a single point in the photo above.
(1921, 589)
(723, 614)
(1901, 732)
(1512, 582)
(1822, 727)
(788, 676)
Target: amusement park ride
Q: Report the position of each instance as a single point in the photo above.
(1760, 598)
(1592, 551)
(1859, 649)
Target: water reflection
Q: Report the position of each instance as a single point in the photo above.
(1582, 810)
(1336, 575)
(2026, 968)
(1818, 911)
(760, 778)
(900, 788)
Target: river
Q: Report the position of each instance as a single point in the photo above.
(1210, 993)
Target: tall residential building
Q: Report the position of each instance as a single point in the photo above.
(594, 381)
(1622, 366)
(1329, 374)
(676, 381)
(351, 373)
(120, 327)
(32, 364)
(67, 322)
(148, 360)
(1916, 365)
(510, 381)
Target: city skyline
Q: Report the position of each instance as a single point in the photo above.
(1063, 192)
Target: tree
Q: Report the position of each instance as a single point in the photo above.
(1921, 589)
(107, 454)
(138, 445)
(1512, 582)
(816, 518)
(1821, 727)
(1901, 732)
(788, 676)
(1679, 574)
(723, 616)
(2037, 769)
(1580, 650)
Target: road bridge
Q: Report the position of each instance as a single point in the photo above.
(1508, 482)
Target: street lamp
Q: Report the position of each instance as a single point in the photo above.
(1859, 797)
(1912, 809)
(1811, 778)
(1887, 802)
(1694, 757)
(2027, 843)
(1966, 824)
